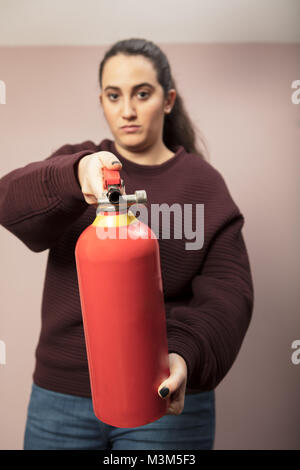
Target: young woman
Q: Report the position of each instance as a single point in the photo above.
(208, 288)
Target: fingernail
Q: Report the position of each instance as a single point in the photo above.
(164, 392)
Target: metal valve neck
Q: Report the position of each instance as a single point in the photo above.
(116, 202)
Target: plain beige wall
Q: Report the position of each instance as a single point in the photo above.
(239, 96)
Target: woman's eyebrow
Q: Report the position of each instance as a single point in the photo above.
(134, 87)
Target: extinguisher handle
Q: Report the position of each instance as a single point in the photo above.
(113, 185)
(110, 177)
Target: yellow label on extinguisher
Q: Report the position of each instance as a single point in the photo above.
(114, 220)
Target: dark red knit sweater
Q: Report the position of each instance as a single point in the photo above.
(208, 292)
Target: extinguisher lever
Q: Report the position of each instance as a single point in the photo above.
(113, 185)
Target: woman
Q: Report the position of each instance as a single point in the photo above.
(208, 289)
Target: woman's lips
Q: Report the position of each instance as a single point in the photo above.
(130, 128)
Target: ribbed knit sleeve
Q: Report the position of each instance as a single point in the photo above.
(209, 330)
(40, 200)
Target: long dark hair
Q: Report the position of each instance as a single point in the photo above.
(178, 128)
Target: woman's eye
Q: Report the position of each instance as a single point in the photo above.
(145, 92)
(112, 94)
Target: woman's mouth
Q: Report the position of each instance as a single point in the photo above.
(130, 128)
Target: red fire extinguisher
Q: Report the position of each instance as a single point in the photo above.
(121, 295)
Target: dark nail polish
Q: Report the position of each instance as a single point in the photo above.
(164, 392)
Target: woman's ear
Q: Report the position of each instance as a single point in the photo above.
(100, 98)
(170, 100)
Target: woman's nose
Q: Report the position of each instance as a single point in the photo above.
(128, 110)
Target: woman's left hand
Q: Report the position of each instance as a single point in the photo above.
(176, 383)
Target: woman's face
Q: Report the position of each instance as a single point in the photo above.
(131, 95)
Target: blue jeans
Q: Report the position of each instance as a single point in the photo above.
(60, 421)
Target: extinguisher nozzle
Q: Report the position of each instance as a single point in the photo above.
(114, 196)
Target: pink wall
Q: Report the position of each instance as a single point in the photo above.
(239, 96)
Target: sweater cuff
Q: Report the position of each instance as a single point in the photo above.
(65, 181)
(179, 343)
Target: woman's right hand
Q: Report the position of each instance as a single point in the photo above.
(89, 171)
